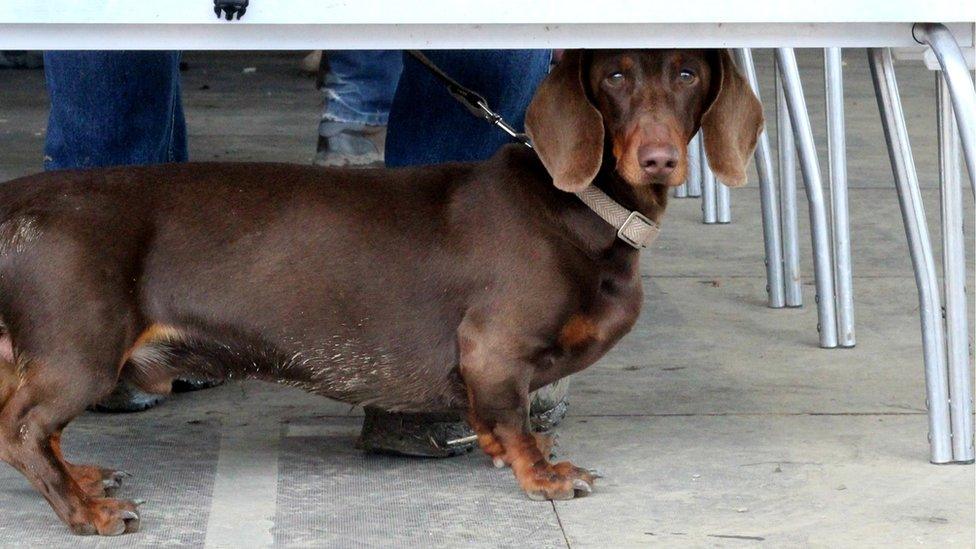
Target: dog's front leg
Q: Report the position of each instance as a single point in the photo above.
(498, 397)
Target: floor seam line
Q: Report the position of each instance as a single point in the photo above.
(559, 521)
(753, 414)
(763, 277)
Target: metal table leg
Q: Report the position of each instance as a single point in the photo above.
(954, 279)
(916, 230)
(709, 204)
(810, 169)
(960, 83)
(793, 291)
(837, 161)
(769, 202)
(694, 167)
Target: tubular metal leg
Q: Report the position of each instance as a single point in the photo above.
(709, 210)
(916, 231)
(837, 160)
(810, 169)
(960, 83)
(767, 197)
(793, 290)
(681, 191)
(954, 274)
(694, 167)
(723, 203)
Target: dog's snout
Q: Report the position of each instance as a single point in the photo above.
(658, 160)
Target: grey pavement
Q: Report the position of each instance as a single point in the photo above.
(716, 423)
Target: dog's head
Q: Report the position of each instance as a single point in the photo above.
(640, 108)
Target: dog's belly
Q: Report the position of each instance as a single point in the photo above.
(361, 368)
(337, 316)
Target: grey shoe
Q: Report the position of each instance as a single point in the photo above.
(446, 435)
(344, 145)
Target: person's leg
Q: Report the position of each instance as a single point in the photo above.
(358, 87)
(428, 126)
(19, 59)
(112, 108)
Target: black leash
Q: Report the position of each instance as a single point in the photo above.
(475, 104)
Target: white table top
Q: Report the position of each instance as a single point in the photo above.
(317, 24)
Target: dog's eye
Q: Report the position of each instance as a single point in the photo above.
(615, 79)
(687, 76)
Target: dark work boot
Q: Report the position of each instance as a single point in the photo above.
(128, 398)
(448, 434)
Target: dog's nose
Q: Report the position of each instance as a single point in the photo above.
(658, 160)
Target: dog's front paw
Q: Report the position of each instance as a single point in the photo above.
(109, 517)
(96, 481)
(563, 480)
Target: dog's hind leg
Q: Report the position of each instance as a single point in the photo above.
(49, 396)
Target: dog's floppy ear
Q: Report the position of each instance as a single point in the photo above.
(732, 123)
(565, 128)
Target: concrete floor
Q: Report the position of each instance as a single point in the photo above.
(717, 422)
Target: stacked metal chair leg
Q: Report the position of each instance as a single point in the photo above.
(693, 185)
(716, 200)
(772, 231)
(954, 278)
(945, 332)
(792, 288)
(839, 213)
(946, 359)
(779, 220)
(810, 170)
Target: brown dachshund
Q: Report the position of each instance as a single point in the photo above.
(449, 287)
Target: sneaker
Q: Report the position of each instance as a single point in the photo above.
(348, 145)
(311, 63)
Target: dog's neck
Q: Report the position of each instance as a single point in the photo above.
(649, 200)
(576, 221)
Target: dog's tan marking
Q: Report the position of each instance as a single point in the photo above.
(154, 333)
(9, 380)
(578, 330)
(146, 357)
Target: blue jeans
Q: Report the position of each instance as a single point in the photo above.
(428, 126)
(111, 108)
(359, 86)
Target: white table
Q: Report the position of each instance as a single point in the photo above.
(368, 24)
(499, 24)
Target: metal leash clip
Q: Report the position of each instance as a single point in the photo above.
(475, 103)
